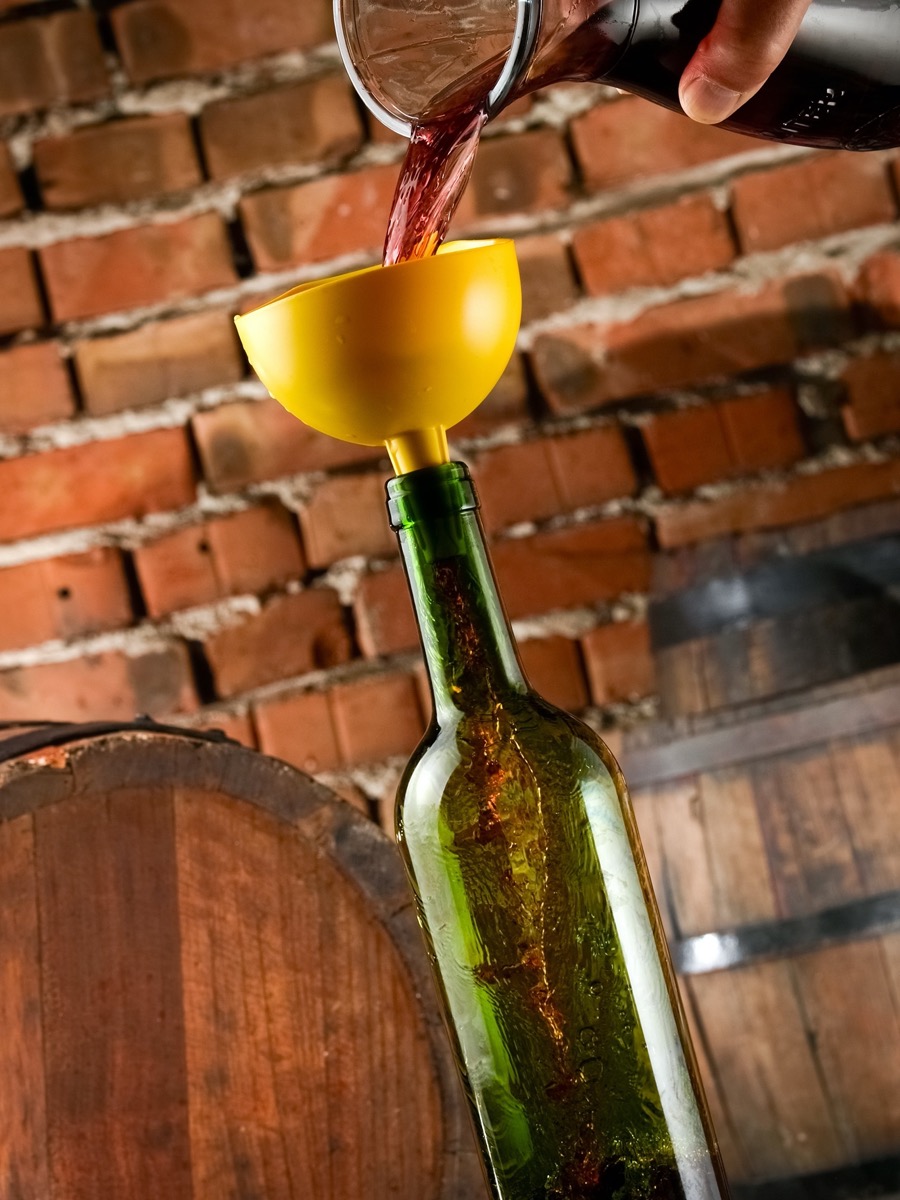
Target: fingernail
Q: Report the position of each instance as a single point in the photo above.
(708, 102)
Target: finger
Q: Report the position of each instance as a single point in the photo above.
(734, 60)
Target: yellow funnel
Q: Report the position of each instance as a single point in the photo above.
(392, 354)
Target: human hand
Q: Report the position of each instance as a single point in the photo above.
(734, 60)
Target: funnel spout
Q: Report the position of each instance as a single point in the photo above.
(418, 448)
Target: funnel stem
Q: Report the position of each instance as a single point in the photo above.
(418, 448)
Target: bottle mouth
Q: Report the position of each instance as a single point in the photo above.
(429, 494)
(521, 51)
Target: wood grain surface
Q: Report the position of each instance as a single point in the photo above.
(212, 987)
(755, 819)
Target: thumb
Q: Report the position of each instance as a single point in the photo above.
(745, 45)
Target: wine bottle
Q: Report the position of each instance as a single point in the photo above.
(838, 85)
(531, 889)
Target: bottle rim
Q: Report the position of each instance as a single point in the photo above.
(521, 51)
(430, 493)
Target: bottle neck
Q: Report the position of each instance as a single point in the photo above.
(468, 645)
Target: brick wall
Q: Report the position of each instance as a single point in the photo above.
(711, 352)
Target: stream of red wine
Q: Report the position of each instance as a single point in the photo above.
(435, 172)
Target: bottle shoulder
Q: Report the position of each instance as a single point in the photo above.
(525, 739)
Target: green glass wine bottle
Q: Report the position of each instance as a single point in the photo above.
(531, 889)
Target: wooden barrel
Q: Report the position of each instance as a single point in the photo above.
(211, 986)
(773, 836)
(778, 628)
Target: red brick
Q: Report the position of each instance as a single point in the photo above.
(34, 387)
(507, 404)
(633, 139)
(94, 483)
(515, 484)
(241, 444)
(524, 173)
(377, 718)
(315, 122)
(109, 686)
(537, 480)
(811, 199)
(148, 264)
(690, 342)
(700, 445)
(177, 571)
(20, 302)
(50, 60)
(347, 516)
(10, 193)
(244, 552)
(687, 448)
(591, 467)
(162, 38)
(66, 597)
(572, 568)
(300, 730)
(554, 669)
(292, 635)
(763, 431)
(619, 662)
(157, 362)
(384, 616)
(654, 248)
(873, 392)
(877, 289)
(548, 284)
(318, 221)
(559, 569)
(776, 505)
(256, 550)
(117, 162)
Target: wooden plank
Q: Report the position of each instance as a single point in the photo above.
(868, 774)
(655, 756)
(759, 1050)
(113, 1029)
(309, 1068)
(382, 1105)
(681, 679)
(713, 869)
(742, 885)
(253, 1015)
(779, 835)
(813, 862)
(23, 1128)
(687, 881)
(726, 669)
(890, 949)
(847, 996)
(736, 1166)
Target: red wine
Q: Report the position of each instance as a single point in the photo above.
(435, 173)
(838, 87)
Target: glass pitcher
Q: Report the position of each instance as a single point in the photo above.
(838, 86)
